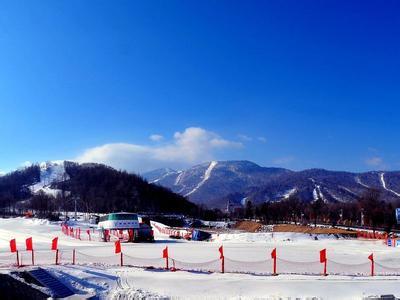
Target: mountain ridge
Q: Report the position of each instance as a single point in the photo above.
(241, 181)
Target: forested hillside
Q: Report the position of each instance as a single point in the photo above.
(94, 187)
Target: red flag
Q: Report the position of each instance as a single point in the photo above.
(13, 246)
(54, 244)
(29, 244)
(165, 252)
(322, 255)
(273, 254)
(371, 257)
(117, 247)
(88, 231)
(221, 252)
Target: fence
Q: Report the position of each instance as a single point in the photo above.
(270, 266)
(87, 234)
(224, 264)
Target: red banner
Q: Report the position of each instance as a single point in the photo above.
(29, 244)
(221, 252)
(54, 244)
(165, 252)
(322, 255)
(13, 246)
(371, 257)
(273, 254)
(117, 247)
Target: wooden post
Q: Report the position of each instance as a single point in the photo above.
(372, 268)
(73, 256)
(57, 257)
(325, 273)
(122, 260)
(223, 264)
(275, 266)
(17, 258)
(33, 258)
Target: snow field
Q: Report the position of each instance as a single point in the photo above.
(107, 279)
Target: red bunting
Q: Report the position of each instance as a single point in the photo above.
(371, 257)
(117, 247)
(322, 256)
(13, 246)
(29, 244)
(54, 244)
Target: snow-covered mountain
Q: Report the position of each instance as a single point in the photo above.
(214, 183)
(214, 180)
(217, 182)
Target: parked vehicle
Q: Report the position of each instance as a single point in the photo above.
(145, 233)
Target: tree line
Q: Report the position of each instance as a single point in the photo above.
(369, 211)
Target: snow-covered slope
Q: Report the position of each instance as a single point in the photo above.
(50, 173)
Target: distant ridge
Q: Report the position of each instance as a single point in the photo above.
(214, 183)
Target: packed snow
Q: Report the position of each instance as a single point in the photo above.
(109, 281)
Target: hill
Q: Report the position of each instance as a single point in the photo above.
(97, 188)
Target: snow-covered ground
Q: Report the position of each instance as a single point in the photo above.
(128, 282)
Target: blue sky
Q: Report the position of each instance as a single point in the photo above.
(297, 84)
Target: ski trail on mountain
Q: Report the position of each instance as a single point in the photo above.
(206, 176)
(162, 177)
(358, 180)
(317, 193)
(178, 178)
(384, 185)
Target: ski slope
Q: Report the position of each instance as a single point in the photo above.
(206, 176)
(382, 178)
(123, 282)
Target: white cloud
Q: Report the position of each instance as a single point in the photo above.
(193, 145)
(375, 161)
(156, 137)
(285, 160)
(244, 138)
(262, 139)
